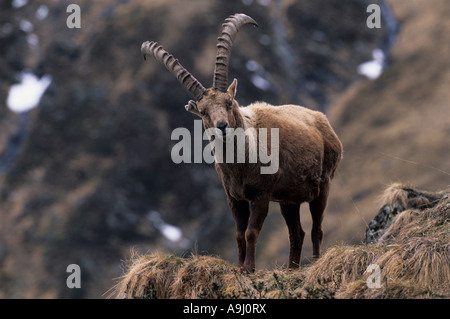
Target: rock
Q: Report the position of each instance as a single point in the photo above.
(398, 198)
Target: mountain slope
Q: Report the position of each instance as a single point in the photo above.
(95, 162)
(96, 157)
(395, 129)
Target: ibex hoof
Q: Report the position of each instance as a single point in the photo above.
(244, 270)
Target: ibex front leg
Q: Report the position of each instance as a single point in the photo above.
(241, 212)
(258, 212)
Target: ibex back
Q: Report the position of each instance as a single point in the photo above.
(309, 152)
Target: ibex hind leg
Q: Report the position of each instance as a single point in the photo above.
(317, 207)
(291, 214)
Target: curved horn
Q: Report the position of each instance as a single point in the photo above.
(189, 82)
(225, 43)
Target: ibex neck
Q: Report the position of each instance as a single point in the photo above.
(245, 117)
(244, 131)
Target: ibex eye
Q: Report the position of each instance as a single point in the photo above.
(229, 103)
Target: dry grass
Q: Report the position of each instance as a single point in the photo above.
(413, 255)
(395, 290)
(202, 277)
(342, 264)
(407, 197)
(149, 276)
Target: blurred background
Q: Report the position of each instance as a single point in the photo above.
(86, 175)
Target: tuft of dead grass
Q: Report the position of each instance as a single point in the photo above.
(341, 265)
(202, 277)
(397, 289)
(406, 197)
(149, 277)
(424, 261)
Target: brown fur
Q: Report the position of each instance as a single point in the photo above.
(309, 153)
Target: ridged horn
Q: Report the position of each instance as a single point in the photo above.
(224, 45)
(187, 79)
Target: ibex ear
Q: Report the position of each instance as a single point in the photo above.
(232, 89)
(192, 107)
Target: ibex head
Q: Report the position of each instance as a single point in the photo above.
(216, 105)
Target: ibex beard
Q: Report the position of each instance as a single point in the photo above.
(233, 145)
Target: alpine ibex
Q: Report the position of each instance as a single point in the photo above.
(309, 152)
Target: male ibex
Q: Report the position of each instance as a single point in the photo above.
(309, 152)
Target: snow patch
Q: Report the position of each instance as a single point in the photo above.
(18, 3)
(42, 12)
(33, 40)
(26, 25)
(373, 69)
(172, 233)
(27, 94)
(260, 82)
(259, 76)
(264, 2)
